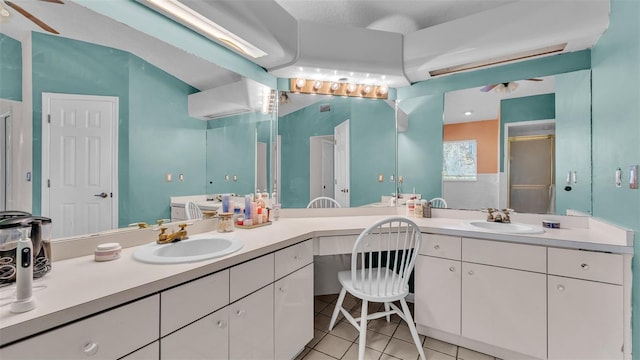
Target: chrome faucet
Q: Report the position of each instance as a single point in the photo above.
(164, 238)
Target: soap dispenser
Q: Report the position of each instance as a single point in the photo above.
(24, 274)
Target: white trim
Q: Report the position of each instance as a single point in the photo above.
(46, 144)
(7, 198)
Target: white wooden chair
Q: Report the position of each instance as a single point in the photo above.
(438, 202)
(193, 211)
(382, 260)
(323, 202)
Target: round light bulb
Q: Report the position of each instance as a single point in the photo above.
(367, 89)
(351, 87)
(383, 89)
(335, 86)
(317, 84)
(300, 82)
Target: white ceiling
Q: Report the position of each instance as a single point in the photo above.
(435, 33)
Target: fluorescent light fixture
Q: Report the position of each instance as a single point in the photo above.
(205, 26)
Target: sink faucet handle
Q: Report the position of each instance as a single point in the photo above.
(182, 226)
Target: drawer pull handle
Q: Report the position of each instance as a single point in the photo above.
(221, 324)
(437, 247)
(560, 287)
(297, 258)
(90, 349)
(452, 268)
(283, 290)
(584, 266)
(240, 313)
(471, 272)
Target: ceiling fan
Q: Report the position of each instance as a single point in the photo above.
(4, 12)
(505, 87)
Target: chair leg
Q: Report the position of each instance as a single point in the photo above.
(363, 329)
(336, 311)
(412, 328)
(386, 308)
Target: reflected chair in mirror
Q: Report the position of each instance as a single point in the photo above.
(438, 203)
(382, 260)
(193, 211)
(323, 202)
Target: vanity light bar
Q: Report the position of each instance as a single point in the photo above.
(305, 86)
(196, 21)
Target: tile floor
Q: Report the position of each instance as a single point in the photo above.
(385, 341)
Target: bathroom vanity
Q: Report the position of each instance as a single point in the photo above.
(509, 295)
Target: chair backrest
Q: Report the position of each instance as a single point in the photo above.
(323, 202)
(384, 255)
(438, 202)
(193, 211)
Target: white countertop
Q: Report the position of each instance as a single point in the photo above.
(79, 287)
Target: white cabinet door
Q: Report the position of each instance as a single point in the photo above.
(437, 293)
(251, 326)
(207, 338)
(505, 308)
(585, 319)
(151, 351)
(293, 312)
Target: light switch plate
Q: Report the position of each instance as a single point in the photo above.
(169, 177)
(633, 177)
(181, 177)
(380, 177)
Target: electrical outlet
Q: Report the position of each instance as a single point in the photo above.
(380, 177)
(226, 178)
(181, 177)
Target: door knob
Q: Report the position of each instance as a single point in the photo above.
(102, 195)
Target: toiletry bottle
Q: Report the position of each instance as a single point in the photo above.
(427, 209)
(410, 207)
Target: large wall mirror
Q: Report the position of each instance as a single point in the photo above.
(522, 144)
(342, 148)
(161, 150)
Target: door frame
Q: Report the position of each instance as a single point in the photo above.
(46, 146)
(6, 173)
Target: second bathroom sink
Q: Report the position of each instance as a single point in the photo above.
(507, 228)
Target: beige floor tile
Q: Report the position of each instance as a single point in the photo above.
(436, 355)
(303, 353)
(403, 333)
(321, 322)
(387, 357)
(369, 354)
(329, 311)
(317, 355)
(441, 346)
(376, 341)
(327, 298)
(319, 305)
(333, 346)
(402, 349)
(466, 354)
(382, 326)
(346, 331)
(317, 336)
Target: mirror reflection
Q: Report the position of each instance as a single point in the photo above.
(342, 148)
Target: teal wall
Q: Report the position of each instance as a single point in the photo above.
(155, 134)
(573, 140)
(421, 146)
(10, 68)
(372, 144)
(231, 145)
(616, 130)
(527, 108)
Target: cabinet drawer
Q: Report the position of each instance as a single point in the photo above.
(250, 276)
(293, 258)
(509, 255)
(189, 302)
(109, 335)
(333, 245)
(443, 246)
(586, 265)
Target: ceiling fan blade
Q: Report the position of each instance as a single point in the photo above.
(34, 19)
(54, 1)
(488, 88)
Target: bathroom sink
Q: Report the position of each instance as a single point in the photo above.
(506, 228)
(185, 251)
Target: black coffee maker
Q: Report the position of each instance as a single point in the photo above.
(40, 234)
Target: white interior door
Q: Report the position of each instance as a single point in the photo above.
(327, 168)
(79, 163)
(341, 163)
